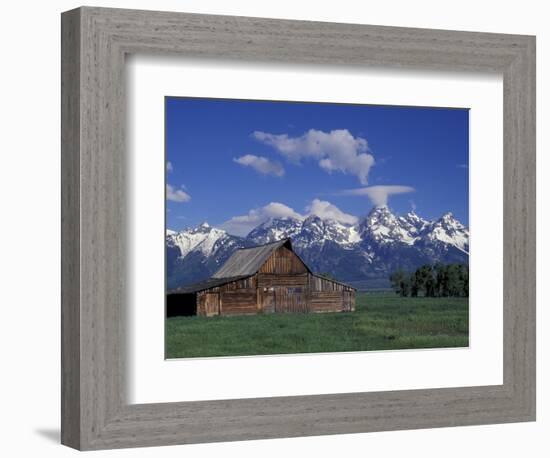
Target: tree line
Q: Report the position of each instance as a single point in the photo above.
(439, 280)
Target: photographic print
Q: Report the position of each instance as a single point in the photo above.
(303, 227)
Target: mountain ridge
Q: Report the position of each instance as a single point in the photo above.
(362, 253)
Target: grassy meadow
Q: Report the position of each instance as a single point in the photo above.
(381, 321)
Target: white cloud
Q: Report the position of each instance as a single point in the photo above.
(337, 150)
(378, 194)
(261, 164)
(242, 225)
(326, 210)
(176, 195)
(169, 167)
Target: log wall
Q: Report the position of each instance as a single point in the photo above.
(268, 280)
(326, 295)
(239, 302)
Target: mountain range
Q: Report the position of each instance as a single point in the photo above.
(362, 254)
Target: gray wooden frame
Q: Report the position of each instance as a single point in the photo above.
(95, 413)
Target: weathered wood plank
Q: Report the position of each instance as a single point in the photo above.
(283, 261)
(269, 280)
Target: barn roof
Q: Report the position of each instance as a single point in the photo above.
(205, 284)
(247, 261)
(334, 281)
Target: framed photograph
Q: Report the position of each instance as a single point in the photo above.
(297, 229)
(277, 228)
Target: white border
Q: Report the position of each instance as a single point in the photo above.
(152, 379)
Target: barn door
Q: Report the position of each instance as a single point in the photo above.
(268, 300)
(212, 304)
(290, 300)
(298, 300)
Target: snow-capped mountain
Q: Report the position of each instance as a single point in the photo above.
(414, 222)
(381, 226)
(203, 238)
(275, 229)
(380, 243)
(307, 233)
(448, 230)
(196, 253)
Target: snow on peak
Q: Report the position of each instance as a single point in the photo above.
(309, 232)
(382, 226)
(202, 238)
(448, 230)
(275, 229)
(414, 223)
(317, 231)
(412, 216)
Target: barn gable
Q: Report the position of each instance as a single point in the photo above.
(284, 261)
(248, 261)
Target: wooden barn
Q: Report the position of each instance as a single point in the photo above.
(269, 278)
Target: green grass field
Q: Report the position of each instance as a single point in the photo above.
(381, 322)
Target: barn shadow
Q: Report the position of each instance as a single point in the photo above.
(181, 305)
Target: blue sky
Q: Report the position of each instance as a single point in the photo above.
(234, 163)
